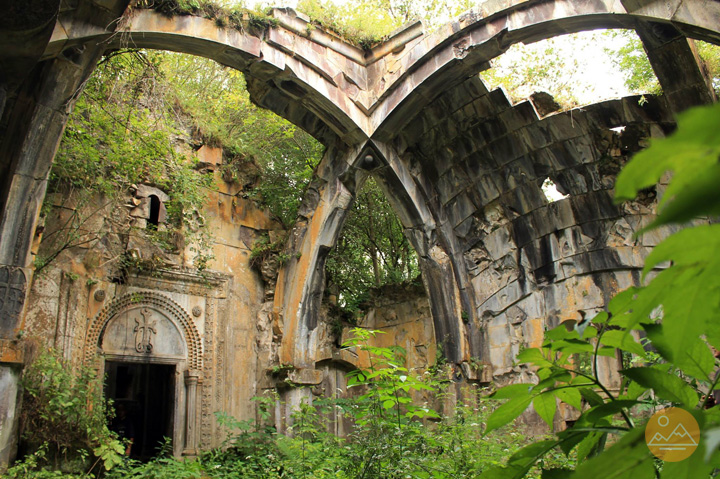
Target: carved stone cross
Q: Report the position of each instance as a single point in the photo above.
(143, 332)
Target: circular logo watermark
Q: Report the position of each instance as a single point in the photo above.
(672, 434)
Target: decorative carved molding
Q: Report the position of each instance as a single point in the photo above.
(145, 300)
(13, 286)
(209, 284)
(207, 409)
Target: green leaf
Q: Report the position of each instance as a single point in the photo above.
(622, 340)
(693, 467)
(503, 472)
(556, 473)
(629, 458)
(695, 360)
(635, 390)
(695, 144)
(588, 444)
(691, 197)
(573, 346)
(507, 412)
(712, 441)
(570, 395)
(667, 386)
(571, 438)
(691, 305)
(545, 406)
(586, 331)
(555, 374)
(591, 396)
(609, 409)
(528, 455)
(534, 356)
(622, 301)
(561, 332)
(691, 246)
(511, 391)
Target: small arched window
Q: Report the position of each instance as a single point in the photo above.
(154, 218)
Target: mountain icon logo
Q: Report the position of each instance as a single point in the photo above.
(672, 434)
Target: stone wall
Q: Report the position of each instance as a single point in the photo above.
(83, 282)
(402, 313)
(532, 263)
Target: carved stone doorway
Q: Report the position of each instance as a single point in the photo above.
(146, 392)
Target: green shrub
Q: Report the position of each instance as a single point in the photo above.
(64, 417)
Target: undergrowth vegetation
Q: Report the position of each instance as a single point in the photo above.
(233, 16)
(396, 433)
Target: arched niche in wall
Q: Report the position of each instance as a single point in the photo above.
(151, 330)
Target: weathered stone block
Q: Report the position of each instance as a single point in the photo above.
(305, 377)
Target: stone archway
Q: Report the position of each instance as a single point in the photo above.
(149, 328)
(301, 281)
(401, 94)
(332, 89)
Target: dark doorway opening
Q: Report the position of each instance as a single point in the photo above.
(154, 219)
(144, 394)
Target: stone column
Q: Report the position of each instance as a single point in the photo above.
(191, 382)
(301, 280)
(34, 125)
(670, 52)
(10, 395)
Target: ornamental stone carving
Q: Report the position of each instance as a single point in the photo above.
(13, 286)
(147, 324)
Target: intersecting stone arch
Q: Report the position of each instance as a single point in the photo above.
(284, 72)
(344, 96)
(158, 302)
(301, 281)
(333, 89)
(463, 48)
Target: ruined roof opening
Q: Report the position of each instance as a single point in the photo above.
(550, 190)
(575, 69)
(710, 55)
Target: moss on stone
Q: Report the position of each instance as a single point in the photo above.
(241, 19)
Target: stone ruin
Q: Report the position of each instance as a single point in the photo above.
(462, 166)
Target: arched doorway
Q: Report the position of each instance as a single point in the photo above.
(149, 350)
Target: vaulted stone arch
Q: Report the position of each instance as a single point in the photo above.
(481, 161)
(332, 89)
(302, 280)
(433, 65)
(300, 79)
(451, 155)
